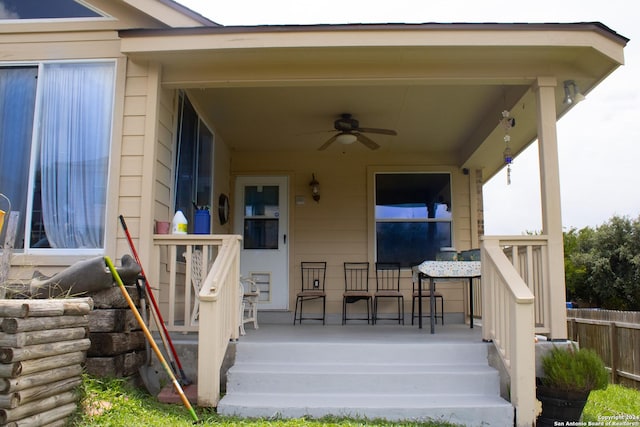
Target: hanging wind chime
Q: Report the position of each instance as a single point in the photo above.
(507, 122)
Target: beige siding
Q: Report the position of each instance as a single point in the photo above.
(164, 162)
(339, 227)
(59, 50)
(133, 148)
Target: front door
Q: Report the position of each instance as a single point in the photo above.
(261, 217)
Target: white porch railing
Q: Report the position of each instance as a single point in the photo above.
(218, 295)
(530, 257)
(219, 307)
(177, 282)
(515, 297)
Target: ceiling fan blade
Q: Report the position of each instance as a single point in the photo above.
(367, 142)
(380, 131)
(328, 143)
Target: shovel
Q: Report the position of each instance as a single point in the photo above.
(155, 311)
(153, 344)
(149, 375)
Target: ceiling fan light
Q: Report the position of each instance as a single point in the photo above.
(346, 138)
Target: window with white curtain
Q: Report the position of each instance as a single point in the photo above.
(55, 154)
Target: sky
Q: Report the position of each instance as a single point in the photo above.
(598, 140)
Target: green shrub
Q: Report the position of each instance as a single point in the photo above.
(574, 369)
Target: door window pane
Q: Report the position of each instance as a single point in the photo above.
(261, 223)
(261, 200)
(260, 234)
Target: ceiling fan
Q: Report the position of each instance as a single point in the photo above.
(349, 131)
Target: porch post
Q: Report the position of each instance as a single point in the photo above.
(551, 209)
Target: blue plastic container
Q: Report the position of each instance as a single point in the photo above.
(202, 223)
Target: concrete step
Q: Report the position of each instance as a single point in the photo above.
(398, 381)
(375, 379)
(396, 353)
(466, 410)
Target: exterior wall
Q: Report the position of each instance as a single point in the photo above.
(339, 227)
(148, 166)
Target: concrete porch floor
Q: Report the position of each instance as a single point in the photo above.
(361, 332)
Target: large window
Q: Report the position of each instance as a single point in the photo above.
(194, 162)
(55, 134)
(413, 216)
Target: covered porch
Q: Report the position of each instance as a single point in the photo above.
(513, 297)
(434, 95)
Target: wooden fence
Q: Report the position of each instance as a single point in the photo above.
(615, 336)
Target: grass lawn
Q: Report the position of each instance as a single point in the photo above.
(113, 402)
(616, 404)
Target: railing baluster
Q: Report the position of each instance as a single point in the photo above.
(187, 285)
(172, 261)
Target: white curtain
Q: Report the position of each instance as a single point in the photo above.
(74, 136)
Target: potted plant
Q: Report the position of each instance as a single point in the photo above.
(570, 373)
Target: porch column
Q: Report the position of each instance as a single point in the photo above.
(551, 209)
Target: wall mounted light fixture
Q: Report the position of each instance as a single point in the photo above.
(568, 97)
(315, 188)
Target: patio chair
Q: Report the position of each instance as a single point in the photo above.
(248, 303)
(356, 288)
(313, 278)
(388, 286)
(426, 294)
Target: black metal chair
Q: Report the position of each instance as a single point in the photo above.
(426, 294)
(356, 288)
(388, 286)
(313, 278)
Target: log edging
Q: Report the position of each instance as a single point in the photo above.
(43, 348)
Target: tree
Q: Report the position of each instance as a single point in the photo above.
(602, 266)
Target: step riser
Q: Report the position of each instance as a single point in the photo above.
(469, 417)
(379, 383)
(361, 353)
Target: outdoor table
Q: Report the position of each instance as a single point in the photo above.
(444, 270)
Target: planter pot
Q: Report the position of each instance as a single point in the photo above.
(560, 405)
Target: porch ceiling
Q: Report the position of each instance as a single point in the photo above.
(443, 91)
